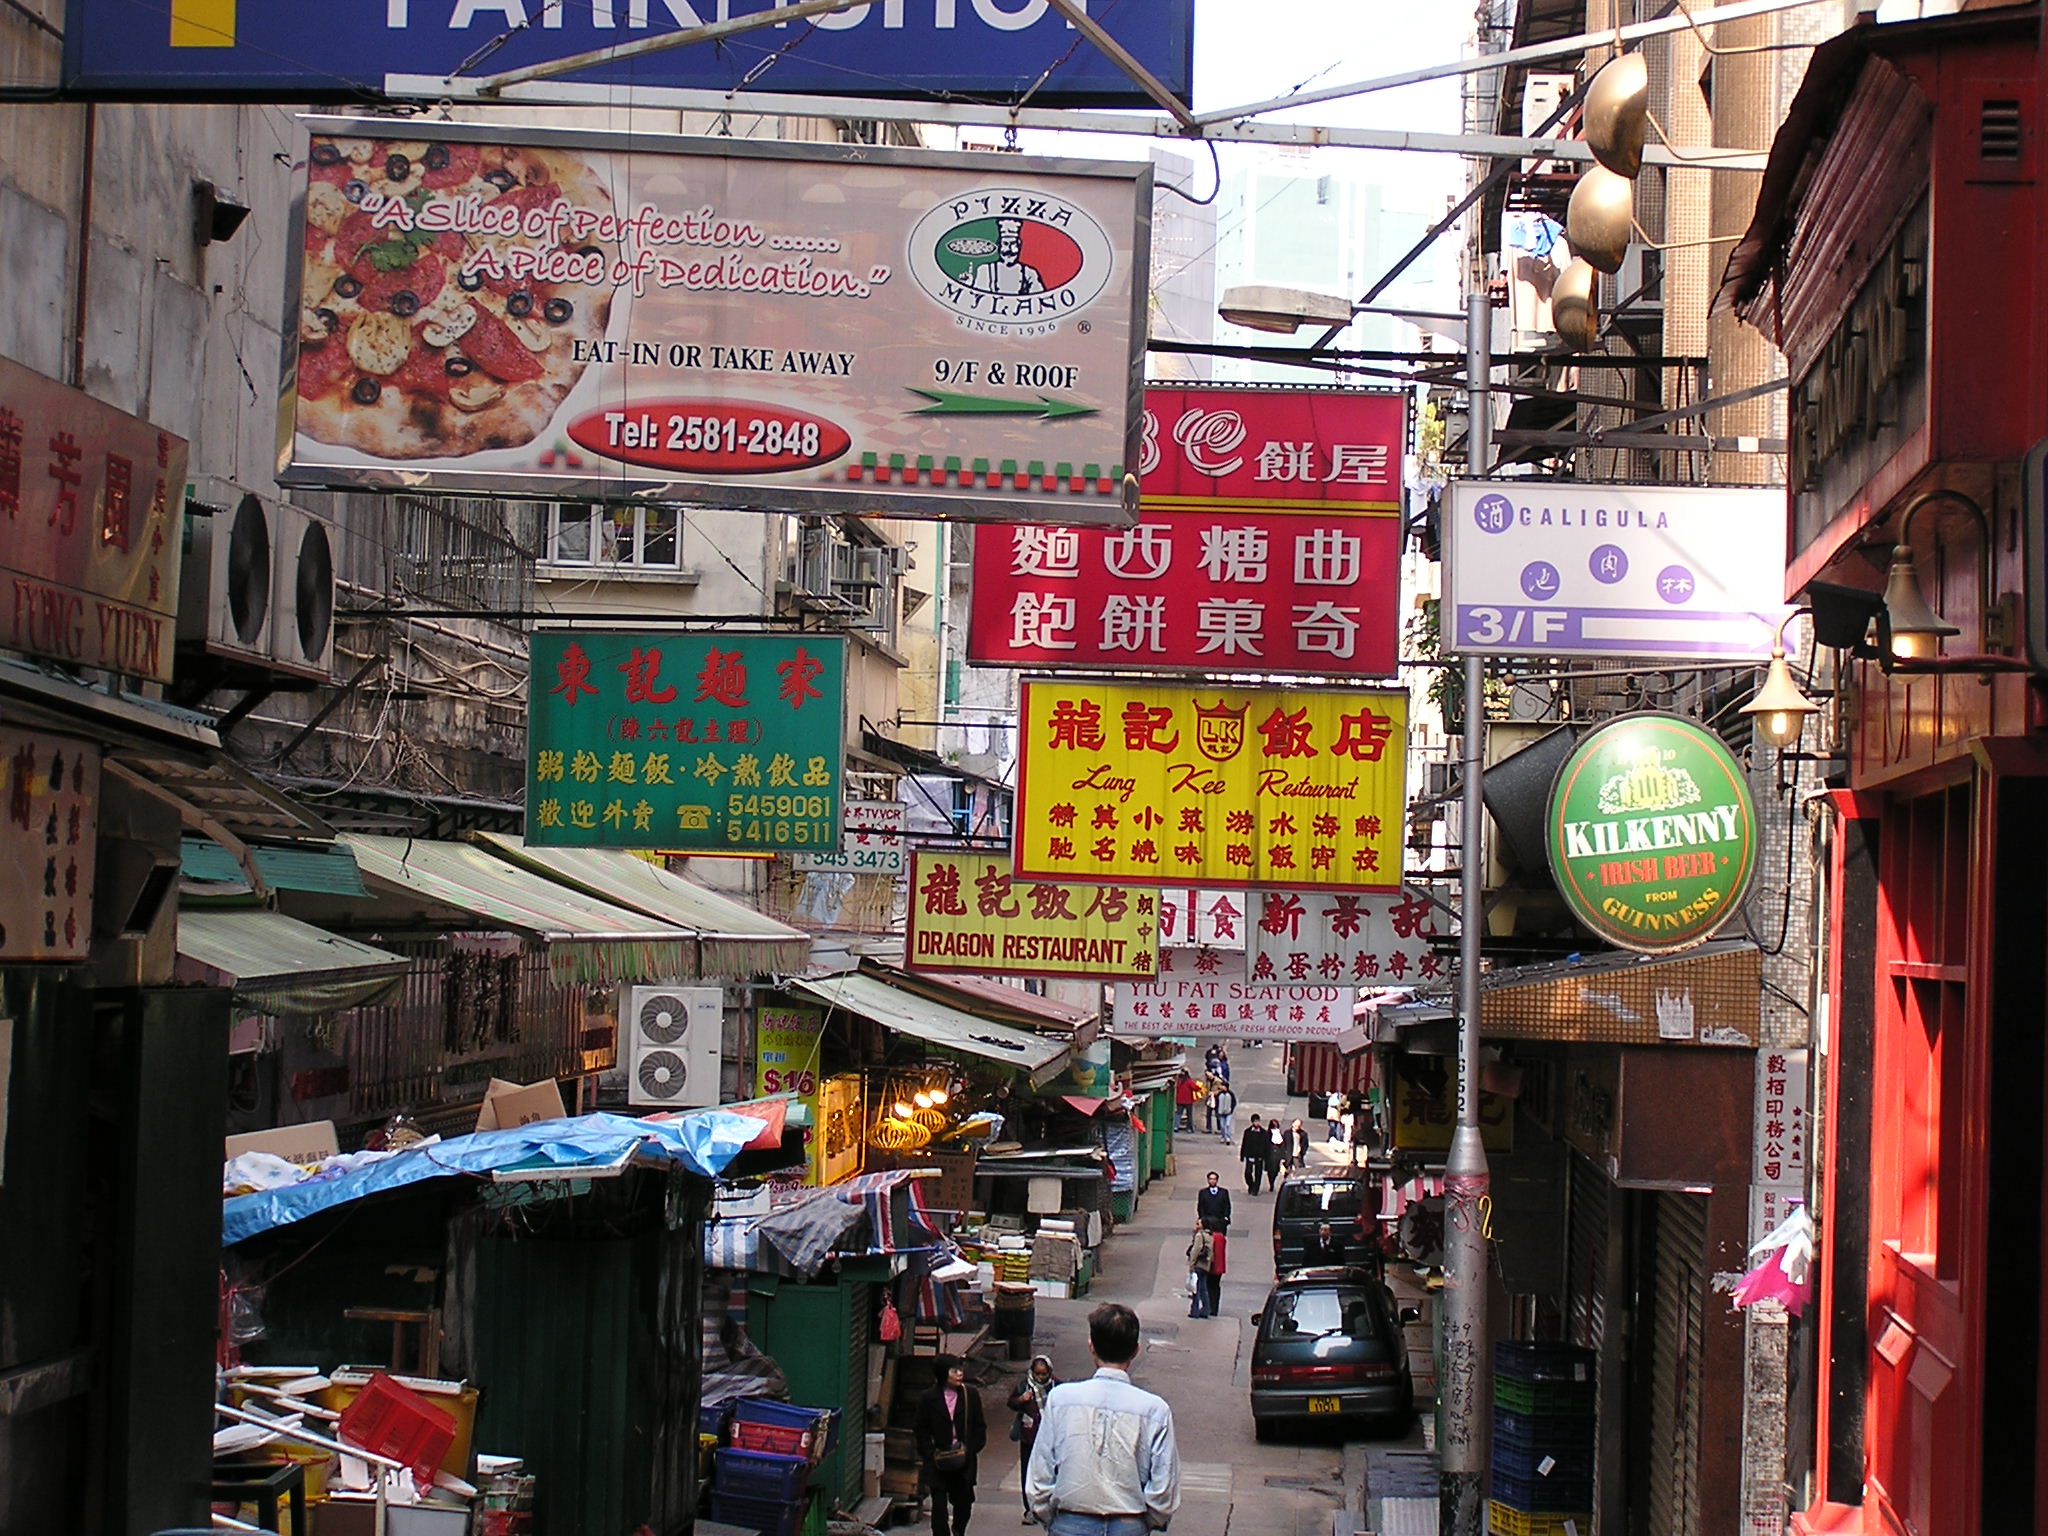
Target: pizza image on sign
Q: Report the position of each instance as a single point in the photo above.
(449, 293)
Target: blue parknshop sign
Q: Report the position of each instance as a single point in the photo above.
(321, 50)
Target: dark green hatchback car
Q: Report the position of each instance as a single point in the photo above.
(1330, 1349)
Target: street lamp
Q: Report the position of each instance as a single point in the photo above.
(1779, 708)
(1283, 311)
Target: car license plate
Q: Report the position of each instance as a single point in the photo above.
(1325, 1405)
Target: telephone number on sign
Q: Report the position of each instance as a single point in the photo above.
(780, 834)
(778, 805)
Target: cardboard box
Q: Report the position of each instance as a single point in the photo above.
(507, 1105)
(307, 1143)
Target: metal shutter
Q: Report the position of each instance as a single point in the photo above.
(853, 1421)
(1677, 1343)
(1586, 1256)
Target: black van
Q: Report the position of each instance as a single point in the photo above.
(1348, 1202)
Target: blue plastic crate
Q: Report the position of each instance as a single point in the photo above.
(1525, 1360)
(1547, 1494)
(1534, 1436)
(759, 1475)
(771, 1517)
(711, 1418)
(761, 1410)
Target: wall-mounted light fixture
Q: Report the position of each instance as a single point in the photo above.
(1916, 629)
(1779, 709)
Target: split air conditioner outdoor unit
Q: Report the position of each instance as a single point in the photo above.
(674, 1039)
(258, 582)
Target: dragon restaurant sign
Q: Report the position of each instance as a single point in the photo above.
(1651, 833)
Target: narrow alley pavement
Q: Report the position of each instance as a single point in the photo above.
(1231, 1485)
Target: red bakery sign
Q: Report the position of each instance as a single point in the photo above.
(1268, 540)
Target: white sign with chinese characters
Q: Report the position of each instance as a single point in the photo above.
(1779, 1139)
(1321, 936)
(871, 842)
(1201, 919)
(1192, 1005)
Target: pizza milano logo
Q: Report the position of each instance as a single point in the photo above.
(1011, 261)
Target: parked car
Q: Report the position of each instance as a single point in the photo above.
(1329, 1348)
(1348, 1202)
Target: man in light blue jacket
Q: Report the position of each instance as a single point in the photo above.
(1105, 1463)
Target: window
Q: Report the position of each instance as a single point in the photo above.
(649, 538)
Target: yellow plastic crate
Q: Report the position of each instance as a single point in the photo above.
(1506, 1520)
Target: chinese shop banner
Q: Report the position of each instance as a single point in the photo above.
(1778, 1137)
(786, 1043)
(1367, 941)
(968, 913)
(1296, 787)
(92, 504)
(790, 328)
(871, 845)
(695, 743)
(49, 840)
(1424, 1107)
(1268, 540)
(1188, 1005)
(1201, 919)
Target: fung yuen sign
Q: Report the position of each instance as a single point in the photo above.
(1651, 832)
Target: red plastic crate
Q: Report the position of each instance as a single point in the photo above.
(395, 1421)
(776, 1439)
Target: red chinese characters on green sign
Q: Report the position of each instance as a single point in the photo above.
(721, 743)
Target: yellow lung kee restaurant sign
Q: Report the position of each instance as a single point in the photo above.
(968, 913)
(1296, 787)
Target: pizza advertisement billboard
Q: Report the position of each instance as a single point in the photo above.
(1268, 539)
(789, 327)
(968, 913)
(345, 49)
(1233, 787)
(722, 743)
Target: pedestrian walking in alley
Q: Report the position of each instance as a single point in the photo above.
(1294, 1151)
(1226, 1106)
(1253, 1151)
(1219, 1255)
(1201, 1256)
(1106, 1463)
(1184, 1101)
(1276, 1150)
(1222, 1063)
(1355, 1119)
(1028, 1403)
(1212, 1205)
(951, 1432)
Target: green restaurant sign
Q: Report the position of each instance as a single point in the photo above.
(696, 743)
(1651, 832)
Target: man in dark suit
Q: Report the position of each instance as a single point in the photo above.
(951, 1432)
(1324, 1248)
(1212, 1206)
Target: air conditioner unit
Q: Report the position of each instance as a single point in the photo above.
(674, 1041)
(225, 596)
(814, 566)
(302, 594)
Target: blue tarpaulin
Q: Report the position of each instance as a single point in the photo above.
(702, 1144)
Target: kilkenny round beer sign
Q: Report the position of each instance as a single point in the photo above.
(1651, 832)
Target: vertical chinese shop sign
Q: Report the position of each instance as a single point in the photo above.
(968, 913)
(786, 1061)
(697, 743)
(49, 841)
(1295, 787)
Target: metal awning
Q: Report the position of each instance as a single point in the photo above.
(280, 965)
(588, 940)
(934, 1023)
(733, 941)
(328, 869)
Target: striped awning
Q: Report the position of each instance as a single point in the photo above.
(278, 965)
(936, 1024)
(733, 941)
(588, 940)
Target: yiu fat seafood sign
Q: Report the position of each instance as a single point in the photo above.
(1651, 832)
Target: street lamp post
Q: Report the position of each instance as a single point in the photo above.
(1468, 1366)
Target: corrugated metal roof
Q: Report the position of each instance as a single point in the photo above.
(279, 964)
(936, 1024)
(330, 869)
(734, 941)
(587, 939)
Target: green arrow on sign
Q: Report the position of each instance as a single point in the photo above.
(943, 404)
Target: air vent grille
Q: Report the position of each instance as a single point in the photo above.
(1998, 135)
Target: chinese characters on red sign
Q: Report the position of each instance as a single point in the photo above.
(1365, 941)
(1268, 541)
(1190, 1005)
(729, 744)
(49, 792)
(91, 500)
(1295, 787)
(1779, 1139)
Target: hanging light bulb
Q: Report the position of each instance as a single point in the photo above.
(903, 1110)
(939, 1096)
(921, 1099)
(1917, 630)
(1779, 709)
